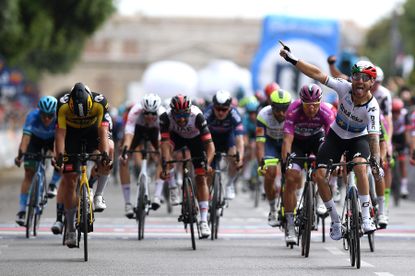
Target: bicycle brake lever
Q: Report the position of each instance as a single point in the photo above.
(284, 46)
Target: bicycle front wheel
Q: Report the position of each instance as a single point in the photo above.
(141, 210)
(307, 219)
(214, 204)
(41, 203)
(354, 229)
(189, 205)
(31, 205)
(84, 219)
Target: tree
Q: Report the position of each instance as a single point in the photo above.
(48, 35)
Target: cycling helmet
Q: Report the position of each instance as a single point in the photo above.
(397, 105)
(379, 74)
(222, 97)
(80, 100)
(271, 87)
(47, 104)
(366, 67)
(310, 93)
(151, 102)
(252, 106)
(180, 104)
(280, 99)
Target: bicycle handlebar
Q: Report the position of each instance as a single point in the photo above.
(349, 165)
(37, 155)
(142, 151)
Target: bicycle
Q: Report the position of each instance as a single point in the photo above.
(85, 215)
(189, 207)
(37, 193)
(307, 218)
(217, 202)
(143, 205)
(351, 214)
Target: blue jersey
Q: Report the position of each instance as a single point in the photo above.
(34, 126)
(249, 126)
(231, 124)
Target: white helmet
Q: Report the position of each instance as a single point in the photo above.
(151, 102)
(379, 74)
(222, 97)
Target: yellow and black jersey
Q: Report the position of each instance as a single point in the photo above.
(95, 117)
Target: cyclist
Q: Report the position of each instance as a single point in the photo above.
(249, 122)
(401, 123)
(184, 125)
(142, 124)
(38, 133)
(356, 130)
(268, 89)
(306, 123)
(81, 116)
(226, 128)
(269, 135)
(384, 99)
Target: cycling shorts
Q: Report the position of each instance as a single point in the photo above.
(334, 147)
(195, 145)
(273, 148)
(142, 134)
(35, 146)
(301, 148)
(73, 139)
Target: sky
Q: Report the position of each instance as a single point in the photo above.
(365, 13)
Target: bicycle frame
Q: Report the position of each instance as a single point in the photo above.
(83, 181)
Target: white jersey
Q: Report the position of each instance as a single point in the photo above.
(353, 120)
(191, 129)
(136, 117)
(273, 128)
(384, 98)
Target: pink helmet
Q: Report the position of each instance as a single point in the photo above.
(310, 93)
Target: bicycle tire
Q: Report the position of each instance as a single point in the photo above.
(41, 202)
(64, 231)
(308, 214)
(214, 205)
(140, 210)
(166, 195)
(84, 217)
(31, 205)
(188, 198)
(355, 227)
(257, 192)
(222, 203)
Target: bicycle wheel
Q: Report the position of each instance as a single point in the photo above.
(214, 205)
(307, 219)
(31, 205)
(41, 203)
(84, 219)
(188, 201)
(64, 231)
(141, 210)
(354, 228)
(166, 196)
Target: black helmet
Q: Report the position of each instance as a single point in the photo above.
(80, 100)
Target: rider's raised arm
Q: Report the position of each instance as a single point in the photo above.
(306, 68)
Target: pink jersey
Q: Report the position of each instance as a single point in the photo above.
(302, 127)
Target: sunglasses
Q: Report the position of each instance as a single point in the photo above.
(279, 108)
(181, 115)
(363, 76)
(150, 113)
(221, 109)
(46, 115)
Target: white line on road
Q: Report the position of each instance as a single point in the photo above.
(334, 250)
(383, 274)
(366, 264)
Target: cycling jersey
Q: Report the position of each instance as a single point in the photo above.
(94, 118)
(402, 122)
(384, 98)
(34, 126)
(303, 127)
(196, 125)
(353, 120)
(231, 124)
(249, 126)
(272, 128)
(136, 118)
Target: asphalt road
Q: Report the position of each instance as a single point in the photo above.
(246, 244)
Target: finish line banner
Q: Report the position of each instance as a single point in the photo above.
(308, 39)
